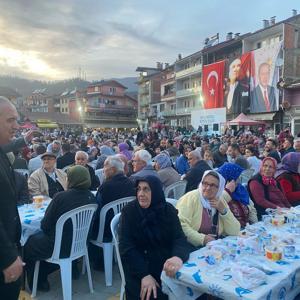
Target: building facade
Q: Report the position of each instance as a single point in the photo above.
(106, 105)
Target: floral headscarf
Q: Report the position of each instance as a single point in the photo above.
(163, 160)
(268, 180)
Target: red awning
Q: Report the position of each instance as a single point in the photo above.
(242, 119)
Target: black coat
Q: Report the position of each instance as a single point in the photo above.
(60, 204)
(95, 182)
(22, 189)
(139, 257)
(10, 226)
(66, 160)
(195, 174)
(219, 159)
(119, 186)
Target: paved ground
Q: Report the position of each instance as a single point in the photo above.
(80, 287)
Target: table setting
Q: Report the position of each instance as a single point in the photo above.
(31, 216)
(263, 262)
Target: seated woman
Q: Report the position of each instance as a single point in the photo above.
(151, 240)
(238, 201)
(204, 214)
(166, 173)
(289, 178)
(40, 245)
(47, 180)
(263, 189)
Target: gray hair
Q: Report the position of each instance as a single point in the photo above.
(115, 162)
(83, 153)
(144, 155)
(196, 154)
(5, 102)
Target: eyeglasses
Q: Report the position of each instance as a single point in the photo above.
(144, 190)
(210, 185)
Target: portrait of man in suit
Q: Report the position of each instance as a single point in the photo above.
(237, 96)
(263, 97)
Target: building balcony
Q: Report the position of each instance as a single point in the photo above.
(118, 110)
(187, 92)
(56, 105)
(168, 113)
(168, 97)
(190, 71)
(184, 110)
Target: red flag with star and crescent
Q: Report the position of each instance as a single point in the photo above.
(212, 85)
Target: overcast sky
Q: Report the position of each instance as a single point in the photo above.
(52, 39)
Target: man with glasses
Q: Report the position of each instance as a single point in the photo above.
(142, 165)
(47, 180)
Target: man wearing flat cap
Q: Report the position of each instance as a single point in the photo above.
(47, 180)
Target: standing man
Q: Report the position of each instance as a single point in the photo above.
(11, 264)
(263, 97)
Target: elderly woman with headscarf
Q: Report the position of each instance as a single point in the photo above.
(151, 240)
(105, 151)
(204, 214)
(166, 173)
(238, 201)
(289, 178)
(263, 189)
(40, 245)
(124, 149)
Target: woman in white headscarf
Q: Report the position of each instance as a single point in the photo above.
(204, 214)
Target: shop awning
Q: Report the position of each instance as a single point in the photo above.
(47, 125)
(262, 117)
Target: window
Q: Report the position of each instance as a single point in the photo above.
(258, 45)
(112, 90)
(96, 88)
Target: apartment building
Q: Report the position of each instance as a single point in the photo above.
(106, 105)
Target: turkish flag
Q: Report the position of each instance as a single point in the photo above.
(212, 85)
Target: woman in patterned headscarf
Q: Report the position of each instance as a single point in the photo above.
(166, 173)
(264, 191)
(204, 214)
(289, 178)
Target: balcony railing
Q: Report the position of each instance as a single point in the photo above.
(184, 110)
(187, 92)
(167, 113)
(189, 71)
(170, 96)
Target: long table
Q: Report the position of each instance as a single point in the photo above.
(197, 276)
(31, 216)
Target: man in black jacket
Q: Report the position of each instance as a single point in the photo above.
(195, 173)
(11, 264)
(220, 156)
(67, 158)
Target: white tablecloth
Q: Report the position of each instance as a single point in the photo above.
(197, 276)
(31, 217)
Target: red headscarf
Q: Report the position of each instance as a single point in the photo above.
(268, 180)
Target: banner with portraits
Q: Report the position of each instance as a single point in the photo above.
(237, 81)
(264, 95)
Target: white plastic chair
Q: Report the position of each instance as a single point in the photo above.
(116, 206)
(100, 174)
(176, 190)
(114, 230)
(24, 172)
(172, 201)
(81, 220)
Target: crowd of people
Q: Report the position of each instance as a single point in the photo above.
(230, 181)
